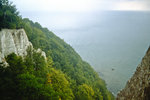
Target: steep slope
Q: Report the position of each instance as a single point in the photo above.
(65, 75)
(138, 87)
(28, 75)
(67, 60)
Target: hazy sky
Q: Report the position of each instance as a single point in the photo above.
(81, 5)
(67, 14)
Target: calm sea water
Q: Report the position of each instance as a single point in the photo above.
(113, 43)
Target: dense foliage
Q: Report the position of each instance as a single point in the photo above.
(25, 80)
(9, 16)
(63, 76)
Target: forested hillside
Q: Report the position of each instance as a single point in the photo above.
(63, 76)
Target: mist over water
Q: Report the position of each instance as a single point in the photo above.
(112, 42)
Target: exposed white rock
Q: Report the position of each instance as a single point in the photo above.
(14, 41)
(42, 53)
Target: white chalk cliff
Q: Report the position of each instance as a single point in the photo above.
(14, 41)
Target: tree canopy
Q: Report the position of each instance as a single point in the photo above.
(64, 76)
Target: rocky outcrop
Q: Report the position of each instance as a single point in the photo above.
(14, 41)
(42, 53)
(138, 87)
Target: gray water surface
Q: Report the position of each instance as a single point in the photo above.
(113, 43)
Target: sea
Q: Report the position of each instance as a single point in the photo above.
(112, 42)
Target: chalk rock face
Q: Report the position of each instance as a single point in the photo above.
(42, 53)
(13, 41)
(138, 87)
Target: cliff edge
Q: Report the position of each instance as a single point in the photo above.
(138, 87)
(14, 41)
